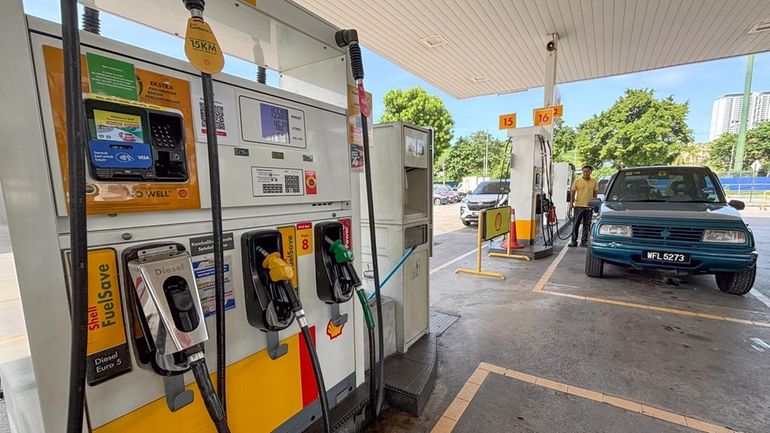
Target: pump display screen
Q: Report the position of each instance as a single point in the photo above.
(275, 123)
(113, 126)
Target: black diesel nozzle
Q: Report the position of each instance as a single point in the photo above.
(349, 38)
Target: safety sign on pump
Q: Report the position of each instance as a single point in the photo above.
(140, 140)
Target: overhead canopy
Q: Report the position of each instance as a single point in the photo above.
(474, 47)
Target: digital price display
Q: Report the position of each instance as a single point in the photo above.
(275, 123)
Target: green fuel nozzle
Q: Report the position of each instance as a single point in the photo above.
(341, 253)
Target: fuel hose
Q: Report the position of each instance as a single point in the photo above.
(209, 112)
(280, 272)
(213, 405)
(299, 313)
(349, 38)
(76, 173)
(343, 257)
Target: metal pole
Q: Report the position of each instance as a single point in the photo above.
(443, 172)
(479, 241)
(741, 143)
(486, 154)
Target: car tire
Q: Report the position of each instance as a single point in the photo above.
(437, 201)
(594, 266)
(466, 223)
(737, 283)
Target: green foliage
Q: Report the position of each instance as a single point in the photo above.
(466, 157)
(416, 106)
(564, 137)
(637, 130)
(757, 148)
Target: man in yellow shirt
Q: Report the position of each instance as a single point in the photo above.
(583, 189)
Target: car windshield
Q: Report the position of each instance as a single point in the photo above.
(675, 184)
(496, 187)
(442, 188)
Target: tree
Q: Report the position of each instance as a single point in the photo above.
(757, 148)
(637, 130)
(721, 152)
(416, 106)
(564, 137)
(466, 157)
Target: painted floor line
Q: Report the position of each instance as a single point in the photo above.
(549, 271)
(449, 263)
(14, 339)
(540, 288)
(762, 298)
(452, 414)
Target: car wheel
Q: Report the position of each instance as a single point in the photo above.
(594, 266)
(737, 283)
(437, 201)
(466, 223)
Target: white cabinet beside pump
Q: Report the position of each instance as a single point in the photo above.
(402, 182)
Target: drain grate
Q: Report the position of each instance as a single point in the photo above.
(440, 322)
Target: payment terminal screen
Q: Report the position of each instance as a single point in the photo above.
(113, 126)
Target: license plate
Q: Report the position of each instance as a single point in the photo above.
(666, 257)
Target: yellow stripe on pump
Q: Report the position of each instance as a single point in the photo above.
(248, 411)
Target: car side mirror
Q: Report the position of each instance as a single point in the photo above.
(737, 204)
(595, 203)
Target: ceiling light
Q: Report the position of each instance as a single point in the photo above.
(434, 41)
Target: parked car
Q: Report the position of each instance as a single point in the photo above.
(439, 198)
(673, 218)
(447, 191)
(486, 195)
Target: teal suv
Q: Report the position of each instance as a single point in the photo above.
(673, 218)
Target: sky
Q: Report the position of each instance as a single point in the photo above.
(699, 84)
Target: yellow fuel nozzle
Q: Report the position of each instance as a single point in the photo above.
(279, 270)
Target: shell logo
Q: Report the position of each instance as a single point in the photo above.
(333, 331)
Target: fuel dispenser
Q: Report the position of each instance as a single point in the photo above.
(149, 188)
(403, 178)
(531, 189)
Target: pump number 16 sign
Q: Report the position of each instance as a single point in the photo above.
(544, 116)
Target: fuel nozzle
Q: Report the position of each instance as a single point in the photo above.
(281, 273)
(344, 257)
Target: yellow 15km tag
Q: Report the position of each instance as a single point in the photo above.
(201, 47)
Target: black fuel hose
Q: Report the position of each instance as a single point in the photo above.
(213, 405)
(91, 21)
(209, 112)
(349, 38)
(76, 172)
(299, 313)
(575, 219)
(319, 378)
(217, 232)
